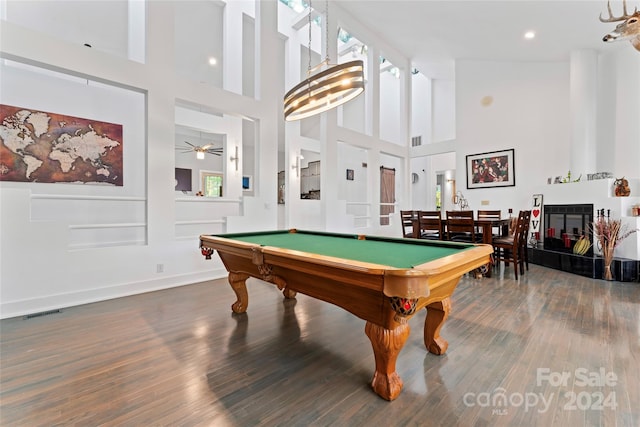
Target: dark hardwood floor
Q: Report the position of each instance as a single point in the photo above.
(179, 357)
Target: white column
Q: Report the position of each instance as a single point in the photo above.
(583, 96)
(626, 150)
(232, 46)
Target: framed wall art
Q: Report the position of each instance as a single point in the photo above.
(492, 169)
(41, 146)
(349, 174)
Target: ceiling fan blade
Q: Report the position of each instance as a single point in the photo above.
(206, 147)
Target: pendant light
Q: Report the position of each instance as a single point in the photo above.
(326, 89)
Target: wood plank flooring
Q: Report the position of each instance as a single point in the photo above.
(179, 357)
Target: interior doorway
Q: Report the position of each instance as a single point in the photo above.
(446, 186)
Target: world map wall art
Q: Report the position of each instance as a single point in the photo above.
(37, 146)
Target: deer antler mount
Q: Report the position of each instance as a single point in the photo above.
(628, 29)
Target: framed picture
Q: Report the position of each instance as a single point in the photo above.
(349, 174)
(493, 169)
(42, 146)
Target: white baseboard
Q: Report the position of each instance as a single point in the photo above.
(87, 296)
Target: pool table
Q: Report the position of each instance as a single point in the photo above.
(381, 280)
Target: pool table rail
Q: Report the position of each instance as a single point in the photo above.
(412, 282)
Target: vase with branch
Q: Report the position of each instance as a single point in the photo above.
(609, 233)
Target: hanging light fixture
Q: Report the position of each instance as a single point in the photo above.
(327, 89)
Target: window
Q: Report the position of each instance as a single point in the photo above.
(211, 184)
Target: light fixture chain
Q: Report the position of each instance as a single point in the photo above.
(326, 31)
(309, 66)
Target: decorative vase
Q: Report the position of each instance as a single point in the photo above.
(606, 274)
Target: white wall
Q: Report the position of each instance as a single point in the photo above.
(421, 113)
(529, 113)
(390, 108)
(45, 263)
(626, 86)
(443, 110)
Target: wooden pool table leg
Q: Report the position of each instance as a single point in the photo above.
(238, 282)
(387, 344)
(437, 313)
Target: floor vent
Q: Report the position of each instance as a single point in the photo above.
(42, 313)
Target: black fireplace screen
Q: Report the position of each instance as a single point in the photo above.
(565, 224)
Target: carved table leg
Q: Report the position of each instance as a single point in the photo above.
(437, 313)
(281, 284)
(239, 286)
(386, 347)
(289, 294)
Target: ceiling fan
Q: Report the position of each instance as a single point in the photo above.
(200, 150)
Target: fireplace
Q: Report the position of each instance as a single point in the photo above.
(567, 212)
(565, 224)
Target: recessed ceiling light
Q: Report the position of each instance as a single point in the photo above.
(529, 35)
(213, 61)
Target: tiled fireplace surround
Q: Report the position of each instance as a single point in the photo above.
(568, 210)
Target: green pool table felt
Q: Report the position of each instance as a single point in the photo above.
(398, 253)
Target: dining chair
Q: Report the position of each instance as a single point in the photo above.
(525, 237)
(430, 223)
(491, 215)
(510, 249)
(406, 221)
(461, 228)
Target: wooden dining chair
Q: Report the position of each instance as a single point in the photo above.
(430, 223)
(461, 228)
(509, 249)
(523, 241)
(406, 221)
(491, 215)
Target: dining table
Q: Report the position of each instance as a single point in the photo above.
(486, 225)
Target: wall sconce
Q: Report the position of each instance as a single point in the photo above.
(235, 158)
(297, 165)
(459, 200)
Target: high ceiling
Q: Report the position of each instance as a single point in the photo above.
(434, 33)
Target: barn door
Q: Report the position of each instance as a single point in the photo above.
(387, 193)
